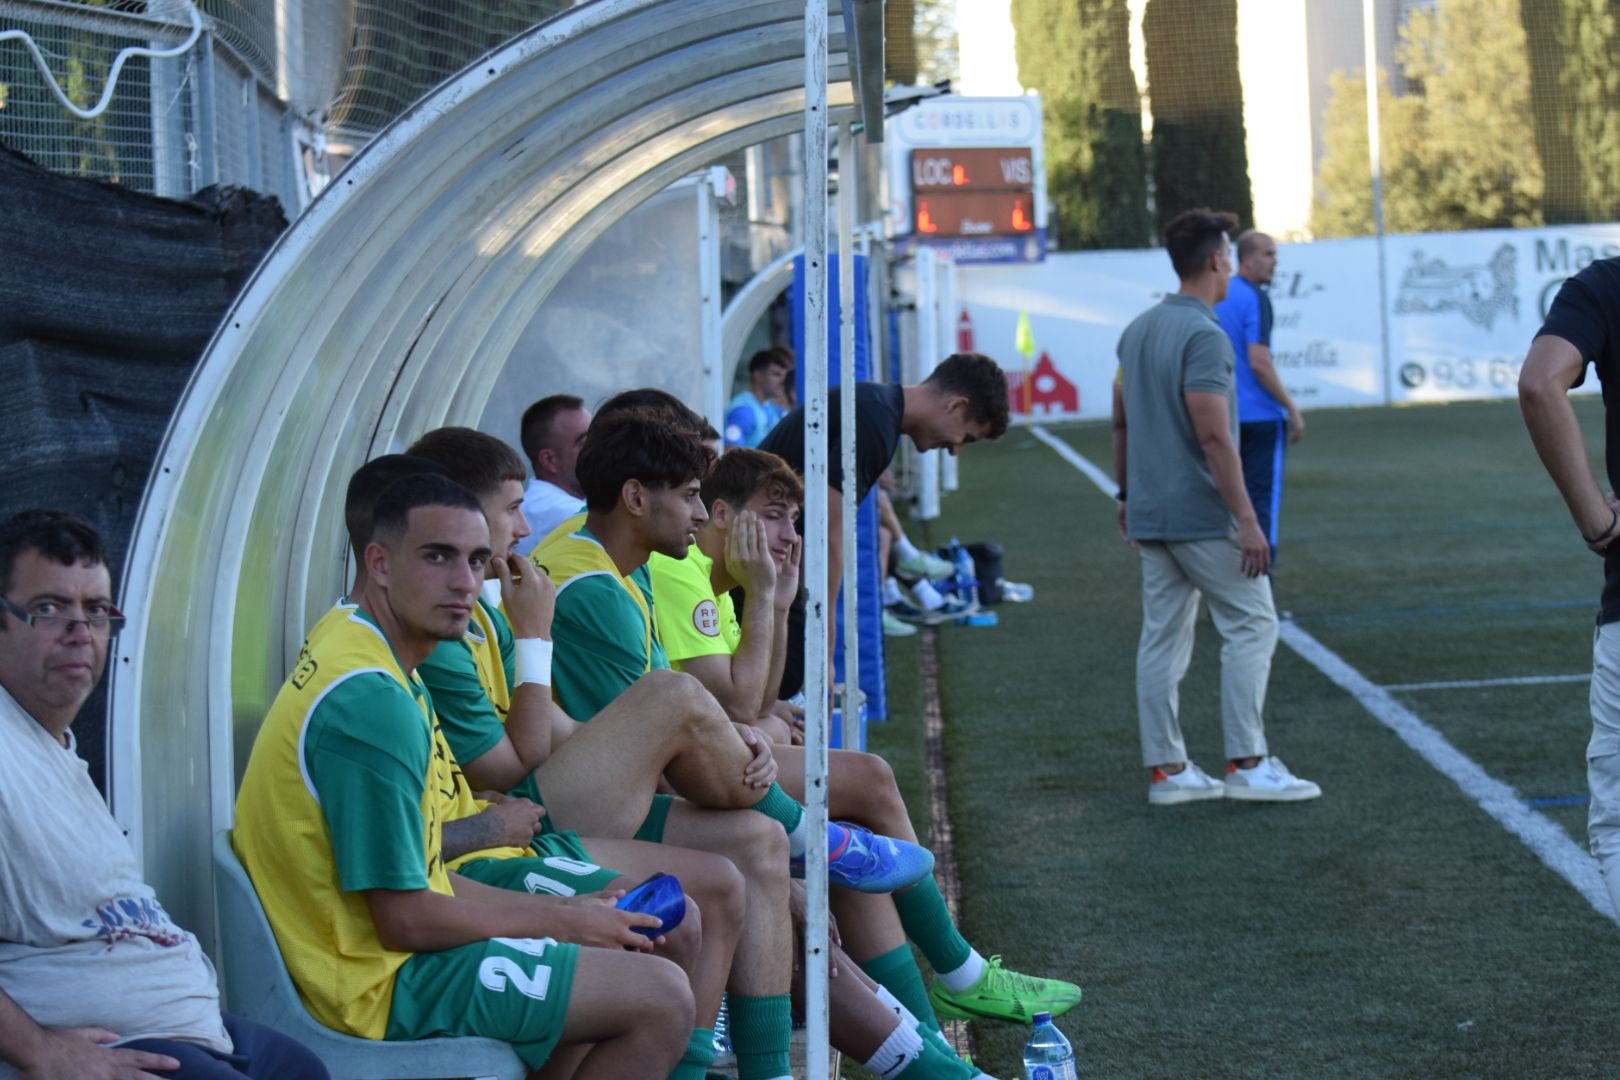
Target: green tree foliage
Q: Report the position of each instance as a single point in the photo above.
(1575, 97)
(1459, 152)
(938, 57)
(1077, 54)
(1199, 152)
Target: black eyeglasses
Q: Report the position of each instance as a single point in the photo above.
(100, 618)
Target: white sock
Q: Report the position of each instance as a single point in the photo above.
(927, 596)
(894, 1005)
(798, 841)
(891, 591)
(901, 1048)
(905, 548)
(964, 976)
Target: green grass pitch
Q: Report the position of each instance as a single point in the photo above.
(1391, 928)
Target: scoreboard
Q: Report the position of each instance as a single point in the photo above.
(966, 176)
(977, 191)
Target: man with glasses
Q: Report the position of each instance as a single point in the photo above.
(95, 979)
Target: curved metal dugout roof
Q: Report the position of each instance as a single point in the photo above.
(387, 309)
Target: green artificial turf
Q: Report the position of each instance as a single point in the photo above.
(1389, 929)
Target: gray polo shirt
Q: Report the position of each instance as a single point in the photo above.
(1168, 350)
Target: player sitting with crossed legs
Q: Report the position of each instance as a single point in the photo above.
(595, 773)
(750, 542)
(501, 841)
(338, 825)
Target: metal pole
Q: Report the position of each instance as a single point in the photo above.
(708, 223)
(1375, 157)
(927, 360)
(815, 549)
(946, 315)
(847, 172)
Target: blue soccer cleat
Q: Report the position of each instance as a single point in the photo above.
(859, 859)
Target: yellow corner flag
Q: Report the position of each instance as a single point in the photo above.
(1024, 340)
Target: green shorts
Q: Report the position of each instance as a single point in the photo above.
(652, 828)
(561, 867)
(512, 989)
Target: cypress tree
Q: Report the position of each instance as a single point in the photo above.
(1077, 54)
(1199, 152)
(1575, 98)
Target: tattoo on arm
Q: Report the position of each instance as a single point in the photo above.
(469, 834)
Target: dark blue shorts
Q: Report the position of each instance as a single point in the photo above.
(1263, 444)
(261, 1054)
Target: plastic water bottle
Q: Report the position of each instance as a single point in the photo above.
(1047, 1055)
(965, 579)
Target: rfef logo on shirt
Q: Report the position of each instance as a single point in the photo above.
(706, 617)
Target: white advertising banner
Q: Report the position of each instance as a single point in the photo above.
(1325, 338)
(1324, 334)
(1464, 306)
(1462, 309)
(1077, 306)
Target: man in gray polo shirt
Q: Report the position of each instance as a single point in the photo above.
(1189, 515)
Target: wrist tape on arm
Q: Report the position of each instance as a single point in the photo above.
(533, 661)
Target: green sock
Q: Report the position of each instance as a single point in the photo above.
(778, 805)
(897, 971)
(937, 1063)
(761, 1035)
(699, 1056)
(928, 923)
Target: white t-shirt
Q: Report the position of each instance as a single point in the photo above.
(546, 506)
(83, 940)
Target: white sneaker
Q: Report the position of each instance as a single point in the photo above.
(1188, 785)
(1268, 781)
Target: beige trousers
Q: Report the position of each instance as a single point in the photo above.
(1174, 575)
(1603, 758)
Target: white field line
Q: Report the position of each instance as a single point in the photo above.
(1550, 843)
(1104, 482)
(1470, 684)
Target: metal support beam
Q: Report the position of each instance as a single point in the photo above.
(848, 174)
(927, 360)
(863, 30)
(848, 171)
(818, 608)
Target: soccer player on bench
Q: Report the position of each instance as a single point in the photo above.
(750, 541)
(470, 682)
(338, 824)
(499, 841)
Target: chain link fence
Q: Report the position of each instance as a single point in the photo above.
(173, 126)
(256, 102)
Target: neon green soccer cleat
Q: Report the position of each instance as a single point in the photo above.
(1005, 995)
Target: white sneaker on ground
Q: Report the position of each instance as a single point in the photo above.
(1268, 781)
(920, 564)
(894, 627)
(1188, 785)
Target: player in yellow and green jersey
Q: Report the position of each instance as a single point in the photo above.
(338, 823)
(479, 694)
(750, 542)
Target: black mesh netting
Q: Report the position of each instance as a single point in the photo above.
(107, 299)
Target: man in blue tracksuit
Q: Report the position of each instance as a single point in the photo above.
(1269, 421)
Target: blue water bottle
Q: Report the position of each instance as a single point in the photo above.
(965, 580)
(1047, 1055)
